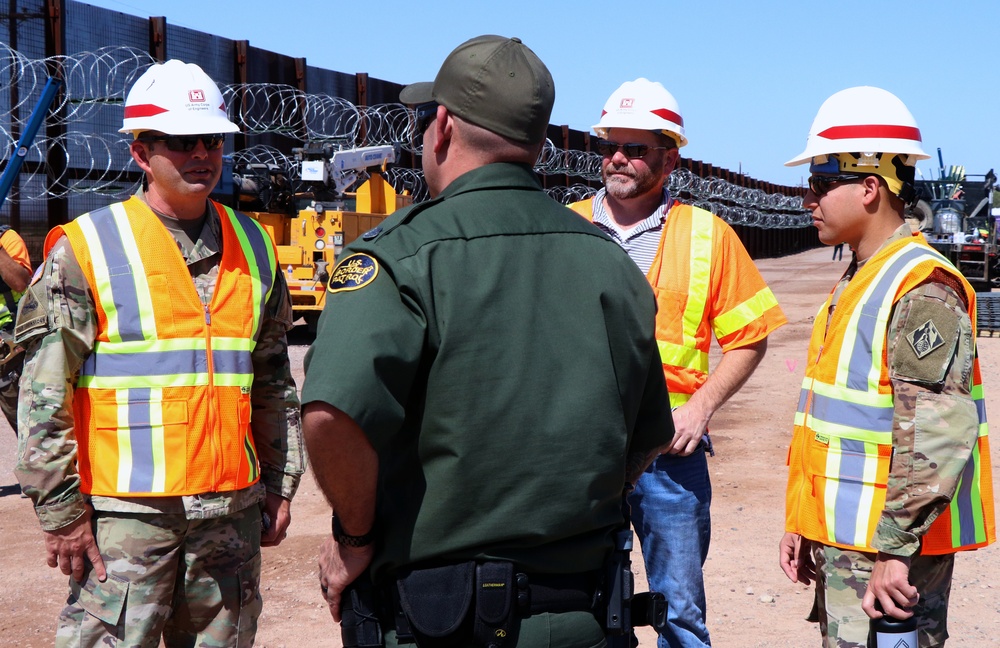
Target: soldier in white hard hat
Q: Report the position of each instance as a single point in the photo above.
(705, 284)
(154, 328)
(889, 471)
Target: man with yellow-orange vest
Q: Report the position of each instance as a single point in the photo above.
(159, 432)
(889, 469)
(705, 283)
(15, 273)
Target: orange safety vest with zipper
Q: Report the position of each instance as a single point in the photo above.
(841, 450)
(162, 404)
(698, 293)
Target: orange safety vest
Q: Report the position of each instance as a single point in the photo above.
(686, 280)
(14, 246)
(841, 450)
(162, 403)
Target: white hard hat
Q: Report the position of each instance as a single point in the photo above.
(862, 120)
(176, 98)
(644, 105)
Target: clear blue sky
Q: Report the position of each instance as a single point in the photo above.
(749, 75)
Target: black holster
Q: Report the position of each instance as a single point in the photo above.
(459, 604)
(359, 623)
(473, 603)
(620, 609)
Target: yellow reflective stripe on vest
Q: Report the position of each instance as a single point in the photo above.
(699, 275)
(260, 256)
(736, 318)
(8, 307)
(676, 399)
(149, 476)
(681, 356)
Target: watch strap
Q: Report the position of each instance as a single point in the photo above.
(350, 540)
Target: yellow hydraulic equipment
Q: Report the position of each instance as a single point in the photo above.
(310, 242)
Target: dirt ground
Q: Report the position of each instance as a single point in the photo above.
(750, 601)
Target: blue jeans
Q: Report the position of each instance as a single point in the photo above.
(670, 512)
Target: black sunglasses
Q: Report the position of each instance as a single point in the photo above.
(186, 143)
(424, 114)
(632, 151)
(821, 184)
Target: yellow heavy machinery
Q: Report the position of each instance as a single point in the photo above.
(310, 228)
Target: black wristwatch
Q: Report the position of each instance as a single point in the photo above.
(351, 540)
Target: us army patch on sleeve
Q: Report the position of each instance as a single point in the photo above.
(352, 273)
(925, 339)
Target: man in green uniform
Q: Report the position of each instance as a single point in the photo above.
(148, 344)
(484, 381)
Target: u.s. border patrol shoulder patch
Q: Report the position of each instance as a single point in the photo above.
(353, 272)
(924, 339)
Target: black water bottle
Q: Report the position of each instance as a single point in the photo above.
(890, 632)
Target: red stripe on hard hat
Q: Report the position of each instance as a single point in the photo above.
(143, 110)
(887, 131)
(669, 115)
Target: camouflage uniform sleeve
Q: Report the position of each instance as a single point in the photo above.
(277, 430)
(57, 325)
(931, 350)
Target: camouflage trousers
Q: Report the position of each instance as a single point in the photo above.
(195, 582)
(842, 578)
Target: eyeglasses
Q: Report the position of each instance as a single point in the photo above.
(633, 151)
(821, 184)
(424, 114)
(186, 143)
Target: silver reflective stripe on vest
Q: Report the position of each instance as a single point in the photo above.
(857, 415)
(876, 307)
(147, 465)
(852, 493)
(853, 408)
(962, 503)
(117, 265)
(165, 363)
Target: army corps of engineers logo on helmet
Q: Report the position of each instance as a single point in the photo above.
(352, 273)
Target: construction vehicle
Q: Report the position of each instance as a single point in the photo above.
(954, 214)
(311, 222)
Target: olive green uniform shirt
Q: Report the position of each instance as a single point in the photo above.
(57, 325)
(498, 352)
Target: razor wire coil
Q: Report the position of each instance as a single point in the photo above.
(96, 84)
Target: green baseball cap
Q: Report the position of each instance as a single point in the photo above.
(493, 82)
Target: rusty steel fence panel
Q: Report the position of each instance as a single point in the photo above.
(80, 162)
